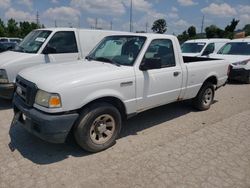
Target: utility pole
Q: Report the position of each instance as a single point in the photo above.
(79, 21)
(202, 24)
(131, 15)
(55, 24)
(96, 22)
(37, 19)
(111, 25)
(146, 27)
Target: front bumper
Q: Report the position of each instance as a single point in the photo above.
(48, 127)
(239, 74)
(6, 91)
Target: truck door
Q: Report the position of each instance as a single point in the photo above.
(62, 47)
(161, 85)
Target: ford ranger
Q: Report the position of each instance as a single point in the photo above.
(121, 77)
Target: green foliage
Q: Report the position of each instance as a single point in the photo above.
(214, 32)
(15, 29)
(183, 37)
(229, 29)
(192, 31)
(2, 28)
(246, 28)
(12, 28)
(159, 26)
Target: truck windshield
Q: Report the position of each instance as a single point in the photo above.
(195, 47)
(118, 50)
(32, 42)
(235, 48)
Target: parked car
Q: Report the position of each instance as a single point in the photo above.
(5, 39)
(50, 45)
(237, 53)
(202, 47)
(5, 46)
(123, 76)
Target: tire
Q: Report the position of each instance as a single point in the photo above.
(98, 127)
(205, 97)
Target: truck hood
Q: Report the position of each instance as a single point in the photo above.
(10, 57)
(75, 74)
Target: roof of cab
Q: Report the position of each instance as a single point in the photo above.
(241, 40)
(153, 35)
(208, 40)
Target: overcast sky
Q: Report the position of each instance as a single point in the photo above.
(179, 14)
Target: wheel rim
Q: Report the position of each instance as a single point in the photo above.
(102, 129)
(208, 97)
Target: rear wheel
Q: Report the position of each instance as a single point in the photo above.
(205, 97)
(98, 127)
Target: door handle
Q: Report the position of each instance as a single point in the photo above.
(177, 73)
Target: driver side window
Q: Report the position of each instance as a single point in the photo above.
(162, 50)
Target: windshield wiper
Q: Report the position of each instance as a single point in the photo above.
(107, 60)
(89, 58)
(19, 49)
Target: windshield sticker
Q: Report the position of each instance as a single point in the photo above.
(40, 39)
(202, 44)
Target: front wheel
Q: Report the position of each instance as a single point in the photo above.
(98, 127)
(205, 97)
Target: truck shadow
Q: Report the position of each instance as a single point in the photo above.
(235, 82)
(42, 153)
(5, 104)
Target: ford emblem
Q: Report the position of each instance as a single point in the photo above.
(19, 90)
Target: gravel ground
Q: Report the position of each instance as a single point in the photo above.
(170, 146)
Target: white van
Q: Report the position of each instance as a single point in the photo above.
(5, 39)
(50, 45)
(202, 47)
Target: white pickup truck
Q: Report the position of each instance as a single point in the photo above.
(50, 45)
(124, 75)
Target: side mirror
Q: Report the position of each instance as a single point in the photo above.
(49, 50)
(207, 52)
(150, 63)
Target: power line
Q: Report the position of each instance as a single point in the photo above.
(131, 15)
(202, 23)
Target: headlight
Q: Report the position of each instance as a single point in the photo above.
(3, 77)
(48, 100)
(242, 62)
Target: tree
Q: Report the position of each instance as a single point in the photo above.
(211, 31)
(229, 29)
(183, 37)
(192, 31)
(214, 32)
(12, 28)
(232, 26)
(159, 26)
(2, 28)
(246, 28)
